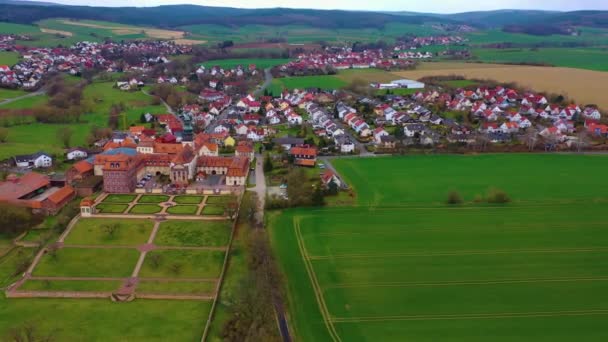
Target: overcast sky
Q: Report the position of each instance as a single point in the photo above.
(437, 6)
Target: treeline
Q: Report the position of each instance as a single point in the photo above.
(538, 29)
(181, 15)
(252, 305)
(65, 104)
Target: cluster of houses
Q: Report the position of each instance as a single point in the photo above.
(418, 42)
(36, 62)
(346, 59)
(218, 73)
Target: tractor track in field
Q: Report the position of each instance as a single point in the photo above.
(315, 284)
(472, 316)
(469, 282)
(458, 253)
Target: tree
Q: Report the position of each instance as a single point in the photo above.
(28, 333)
(582, 139)
(110, 228)
(3, 134)
(15, 220)
(318, 199)
(155, 260)
(64, 135)
(454, 197)
(231, 209)
(482, 140)
(332, 188)
(531, 138)
(268, 166)
(175, 268)
(497, 196)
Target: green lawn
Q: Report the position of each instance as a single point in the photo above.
(193, 233)
(25, 103)
(145, 209)
(153, 199)
(9, 58)
(213, 210)
(121, 232)
(111, 208)
(71, 285)
(119, 198)
(326, 82)
(176, 287)
(261, 63)
(36, 235)
(183, 210)
(80, 262)
(220, 199)
(404, 266)
(183, 264)
(188, 199)
(10, 93)
(459, 83)
(102, 320)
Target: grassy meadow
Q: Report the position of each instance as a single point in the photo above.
(582, 58)
(261, 63)
(30, 138)
(403, 265)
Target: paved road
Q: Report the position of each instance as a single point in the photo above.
(260, 187)
(266, 84)
(36, 93)
(169, 109)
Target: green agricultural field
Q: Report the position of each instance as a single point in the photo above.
(6, 94)
(145, 209)
(193, 233)
(120, 232)
(403, 265)
(25, 103)
(202, 264)
(8, 58)
(183, 210)
(327, 82)
(188, 199)
(459, 83)
(153, 199)
(101, 320)
(176, 287)
(306, 34)
(81, 262)
(582, 58)
(261, 63)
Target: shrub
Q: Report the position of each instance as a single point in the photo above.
(497, 196)
(454, 198)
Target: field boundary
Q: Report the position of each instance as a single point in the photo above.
(314, 282)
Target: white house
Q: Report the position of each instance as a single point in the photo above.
(36, 160)
(76, 153)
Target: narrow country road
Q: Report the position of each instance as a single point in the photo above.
(266, 84)
(260, 190)
(260, 187)
(169, 109)
(36, 93)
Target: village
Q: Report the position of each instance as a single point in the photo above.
(210, 145)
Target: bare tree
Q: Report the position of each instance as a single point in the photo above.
(64, 135)
(582, 140)
(111, 228)
(531, 138)
(482, 140)
(551, 140)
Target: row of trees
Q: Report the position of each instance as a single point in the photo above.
(252, 305)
